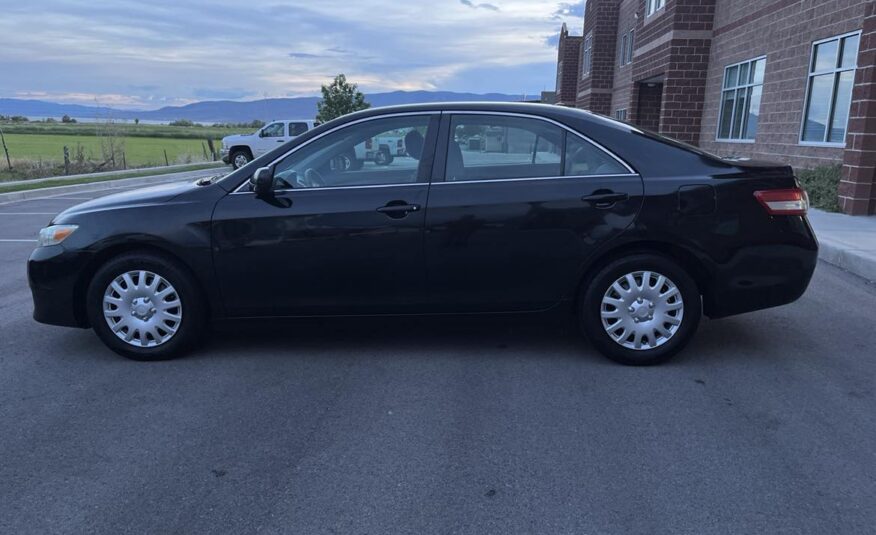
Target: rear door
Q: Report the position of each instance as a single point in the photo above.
(332, 239)
(516, 205)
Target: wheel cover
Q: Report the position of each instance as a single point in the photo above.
(142, 308)
(240, 160)
(642, 310)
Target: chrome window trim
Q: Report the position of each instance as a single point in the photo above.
(490, 180)
(557, 123)
(332, 188)
(432, 181)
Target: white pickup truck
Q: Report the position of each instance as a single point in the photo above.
(238, 150)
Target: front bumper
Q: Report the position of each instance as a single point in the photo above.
(54, 276)
(225, 155)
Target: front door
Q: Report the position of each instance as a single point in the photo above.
(523, 202)
(332, 239)
(269, 138)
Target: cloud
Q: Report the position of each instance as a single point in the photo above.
(166, 51)
(568, 9)
(471, 4)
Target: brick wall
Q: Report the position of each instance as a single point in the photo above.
(595, 88)
(783, 31)
(568, 62)
(857, 192)
(649, 97)
(622, 85)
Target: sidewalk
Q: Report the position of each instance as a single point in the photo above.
(848, 242)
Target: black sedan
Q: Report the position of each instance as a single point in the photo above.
(491, 208)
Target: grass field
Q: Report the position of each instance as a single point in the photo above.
(125, 129)
(139, 151)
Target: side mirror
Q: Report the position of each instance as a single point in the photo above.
(263, 182)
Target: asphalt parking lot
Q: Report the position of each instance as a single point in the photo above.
(766, 424)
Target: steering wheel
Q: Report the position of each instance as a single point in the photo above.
(311, 179)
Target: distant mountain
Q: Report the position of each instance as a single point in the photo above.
(222, 111)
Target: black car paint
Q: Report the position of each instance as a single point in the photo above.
(473, 247)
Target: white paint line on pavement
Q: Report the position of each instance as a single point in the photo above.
(28, 213)
(3, 240)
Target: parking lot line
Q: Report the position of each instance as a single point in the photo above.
(28, 213)
(4, 240)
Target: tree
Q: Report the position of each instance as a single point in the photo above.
(339, 98)
(67, 119)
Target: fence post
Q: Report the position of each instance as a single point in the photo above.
(165, 158)
(6, 150)
(204, 148)
(212, 149)
(124, 161)
(66, 160)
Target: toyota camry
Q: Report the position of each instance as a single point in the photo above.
(488, 208)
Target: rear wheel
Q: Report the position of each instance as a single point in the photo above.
(383, 157)
(145, 307)
(640, 310)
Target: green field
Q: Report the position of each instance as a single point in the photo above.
(139, 151)
(125, 129)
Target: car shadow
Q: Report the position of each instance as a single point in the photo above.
(550, 335)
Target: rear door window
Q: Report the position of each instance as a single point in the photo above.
(296, 129)
(584, 158)
(496, 147)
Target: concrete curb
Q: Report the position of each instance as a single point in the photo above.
(858, 262)
(159, 170)
(56, 191)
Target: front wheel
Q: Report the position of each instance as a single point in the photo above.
(640, 310)
(145, 307)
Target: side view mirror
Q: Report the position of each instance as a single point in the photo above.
(263, 182)
(261, 133)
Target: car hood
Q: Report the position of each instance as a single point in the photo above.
(139, 197)
(229, 140)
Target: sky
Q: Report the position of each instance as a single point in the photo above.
(141, 54)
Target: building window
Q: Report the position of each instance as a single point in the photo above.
(626, 49)
(829, 89)
(740, 100)
(621, 114)
(587, 55)
(654, 5)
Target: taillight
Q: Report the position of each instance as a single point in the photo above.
(791, 201)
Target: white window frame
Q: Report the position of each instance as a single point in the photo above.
(626, 49)
(836, 72)
(736, 88)
(653, 6)
(620, 114)
(587, 55)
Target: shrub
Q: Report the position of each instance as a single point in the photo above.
(182, 122)
(822, 185)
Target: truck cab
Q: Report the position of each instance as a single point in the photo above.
(240, 149)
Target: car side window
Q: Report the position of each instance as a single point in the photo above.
(296, 129)
(584, 158)
(375, 152)
(495, 147)
(273, 130)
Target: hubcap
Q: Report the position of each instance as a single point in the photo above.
(142, 308)
(642, 310)
(240, 160)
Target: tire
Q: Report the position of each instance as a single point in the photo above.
(239, 158)
(383, 157)
(657, 342)
(357, 164)
(163, 331)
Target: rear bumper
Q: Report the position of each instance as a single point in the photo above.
(52, 274)
(764, 276)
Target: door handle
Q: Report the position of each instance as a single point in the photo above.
(398, 209)
(281, 141)
(605, 199)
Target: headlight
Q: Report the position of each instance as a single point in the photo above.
(55, 234)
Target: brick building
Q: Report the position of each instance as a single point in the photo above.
(782, 80)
